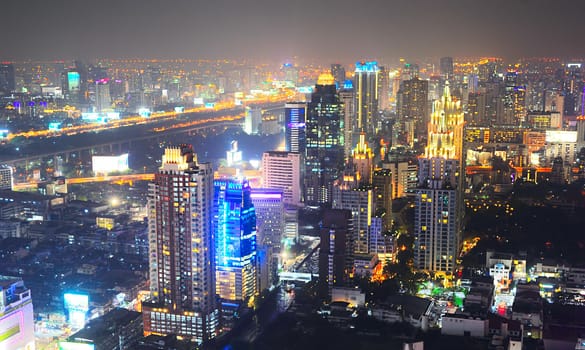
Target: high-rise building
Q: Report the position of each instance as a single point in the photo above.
(438, 201)
(363, 161)
(412, 103)
(325, 142)
(295, 114)
(182, 258)
(336, 253)
(234, 222)
(446, 66)
(367, 91)
(7, 78)
(17, 328)
(282, 170)
(404, 174)
(6, 177)
(382, 185)
(359, 200)
(252, 120)
(383, 89)
(103, 101)
(347, 97)
(338, 73)
(270, 224)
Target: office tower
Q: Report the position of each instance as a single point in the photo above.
(294, 117)
(359, 200)
(234, 222)
(446, 66)
(7, 78)
(366, 92)
(269, 206)
(291, 73)
(6, 177)
(336, 253)
(438, 201)
(363, 161)
(347, 97)
(252, 120)
(282, 170)
(382, 186)
(412, 103)
(325, 142)
(404, 174)
(182, 255)
(338, 73)
(103, 102)
(16, 315)
(514, 101)
(383, 89)
(580, 132)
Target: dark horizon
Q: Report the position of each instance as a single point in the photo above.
(277, 31)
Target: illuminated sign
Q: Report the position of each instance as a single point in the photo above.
(108, 164)
(67, 345)
(144, 112)
(210, 105)
(179, 109)
(560, 136)
(367, 67)
(266, 196)
(54, 126)
(73, 81)
(78, 302)
(3, 133)
(198, 101)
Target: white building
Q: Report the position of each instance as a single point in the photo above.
(282, 170)
(463, 325)
(16, 315)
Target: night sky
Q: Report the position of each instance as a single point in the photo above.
(275, 30)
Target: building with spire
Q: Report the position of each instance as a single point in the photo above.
(181, 252)
(438, 203)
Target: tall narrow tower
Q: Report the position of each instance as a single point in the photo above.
(438, 213)
(367, 90)
(182, 260)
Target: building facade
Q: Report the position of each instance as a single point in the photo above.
(182, 259)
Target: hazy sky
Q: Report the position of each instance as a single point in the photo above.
(320, 30)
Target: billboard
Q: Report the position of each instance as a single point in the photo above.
(73, 81)
(78, 302)
(109, 164)
(561, 136)
(68, 345)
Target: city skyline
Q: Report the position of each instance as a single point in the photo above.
(281, 31)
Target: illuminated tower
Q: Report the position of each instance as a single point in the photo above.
(363, 160)
(182, 259)
(338, 73)
(234, 222)
(438, 203)
(366, 89)
(347, 97)
(103, 101)
(295, 115)
(7, 79)
(325, 142)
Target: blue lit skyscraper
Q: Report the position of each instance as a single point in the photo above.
(295, 114)
(234, 222)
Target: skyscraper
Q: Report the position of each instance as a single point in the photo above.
(325, 142)
(234, 222)
(17, 328)
(7, 78)
(182, 259)
(103, 101)
(282, 170)
(366, 88)
(413, 103)
(6, 177)
(446, 66)
(336, 253)
(347, 97)
(438, 203)
(338, 73)
(294, 117)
